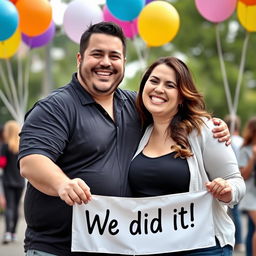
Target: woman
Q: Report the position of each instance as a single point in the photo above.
(13, 183)
(178, 153)
(247, 164)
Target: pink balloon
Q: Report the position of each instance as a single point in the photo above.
(216, 10)
(130, 28)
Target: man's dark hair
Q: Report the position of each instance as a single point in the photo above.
(108, 28)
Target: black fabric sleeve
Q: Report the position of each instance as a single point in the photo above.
(45, 131)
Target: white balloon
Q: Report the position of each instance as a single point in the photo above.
(78, 16)
(100, 2)
(58, 10)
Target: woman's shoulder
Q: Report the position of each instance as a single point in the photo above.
(205, 127)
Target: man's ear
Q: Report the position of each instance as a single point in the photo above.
(78, 59)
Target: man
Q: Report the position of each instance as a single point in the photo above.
(79, 141)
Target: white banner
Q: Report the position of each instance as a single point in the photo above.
(148, 225)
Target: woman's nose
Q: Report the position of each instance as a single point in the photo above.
(159, 89)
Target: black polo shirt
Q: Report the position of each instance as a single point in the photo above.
(78, 135)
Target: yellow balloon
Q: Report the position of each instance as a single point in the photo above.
(10, 46)
(158, 23)
(247, 16)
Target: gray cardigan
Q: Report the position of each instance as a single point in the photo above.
(211, 159)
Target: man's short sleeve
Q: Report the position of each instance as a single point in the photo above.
(45, 131)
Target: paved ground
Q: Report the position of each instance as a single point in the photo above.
(16, 248)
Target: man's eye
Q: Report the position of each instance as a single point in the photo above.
(115, 57)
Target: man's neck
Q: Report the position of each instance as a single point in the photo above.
(107, 102)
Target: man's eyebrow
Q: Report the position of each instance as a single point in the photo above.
(100, 50)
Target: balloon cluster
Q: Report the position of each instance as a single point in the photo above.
(219, 10)
(157, 22)
(26, 20)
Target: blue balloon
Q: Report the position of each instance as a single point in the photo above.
(126, 10)
(9, 19)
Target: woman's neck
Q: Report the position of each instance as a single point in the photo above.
(160, 127)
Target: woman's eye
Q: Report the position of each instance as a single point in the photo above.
(153, 81)
(171, 85)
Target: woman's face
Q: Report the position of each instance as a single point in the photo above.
(160, 95)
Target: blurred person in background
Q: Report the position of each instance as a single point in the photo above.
(13, 183)
(247, 164)
(2, 199)
(236, 144)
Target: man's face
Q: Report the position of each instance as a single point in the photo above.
(101, 68)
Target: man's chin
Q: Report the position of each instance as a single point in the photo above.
(104, 89)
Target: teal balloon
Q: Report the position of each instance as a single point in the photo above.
(126, 10)
(9, 19)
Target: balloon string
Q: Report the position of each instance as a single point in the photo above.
(141, 59)
(20, 77)
(241, 70)
(223, 70)
(26, 82)
(12, 85)
(8, 105)
(5, 83)
(146, 53)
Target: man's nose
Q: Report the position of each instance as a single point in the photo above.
(105, 61)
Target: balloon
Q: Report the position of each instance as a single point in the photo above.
(14, 1)
(40, 40)
(126, 10)
(35, 16)
(8, 20)
(246, 16)
(78, 16)
(58, 10)
(10, 46)
(158, 23)
(148, 1)
(129, 27)
(248, 2)
(216, 10)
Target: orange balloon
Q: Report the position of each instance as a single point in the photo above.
(35, 16)
(248, 2)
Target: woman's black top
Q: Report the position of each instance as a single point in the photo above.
(155, 176)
